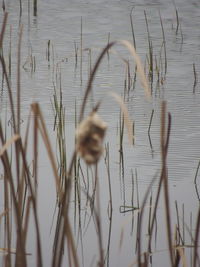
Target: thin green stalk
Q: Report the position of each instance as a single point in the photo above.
(132, 28)
(150, 48)
(164, 42)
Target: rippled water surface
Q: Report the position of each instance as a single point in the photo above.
(60, 23)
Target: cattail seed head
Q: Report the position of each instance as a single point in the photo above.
(89, 138)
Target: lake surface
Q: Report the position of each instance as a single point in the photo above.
(60, 23)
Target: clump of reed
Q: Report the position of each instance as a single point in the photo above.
(20, 188)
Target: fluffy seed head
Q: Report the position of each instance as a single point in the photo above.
(89, 138)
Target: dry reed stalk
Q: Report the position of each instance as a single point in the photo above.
(132, 28)
(23, 186)
(165, 177)
(18, 117)
(126, 116)
(108, 44)
(20, 243)
(3, 5)
(35, 8)
(20, 256)
(178, 222)
(195, 78)
(182, 256)
(150, 48)
(33, 196)
(35, 147)
(149, 128)
(164, 42)
(81, 51)
(10, 53)
(196, 174)
(43, 131)
(139, 261)
(177, 17)
(165, 150)
(98, 221)
(3, 28)
(197, 230)
(7, 225)
(3, 64)
(63, 226)
(110, 207)
(140, 71)
(8, 143)
(27, 217)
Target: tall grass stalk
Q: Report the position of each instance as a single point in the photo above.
(20, 8)
(132, 28)
(149, 128)
(108, 55)
(164, 42)
(35, 8)
(196, 241)
(3, 5)
(10, 53)
(18, 99)
(177, 18)
(150, 48)
(110, 204)
(165, 177)
(139, 254)
(196, 174)
(164, 149)
(81, 51)
(195, 78)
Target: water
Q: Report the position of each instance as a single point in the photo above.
(60, 22)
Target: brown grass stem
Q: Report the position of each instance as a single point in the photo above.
(3, 64)
(196, 174)
(35, 8)
(149, 128)
(3, 28)
(140, 264)
(160, 183)
(39, 250)
(98, 220)
(18, 100)
(150, 48)
(164, 42)
(165, 177)
(81, 51)
(20, 244)
(195, 78)
(110, 207)
(196, 255)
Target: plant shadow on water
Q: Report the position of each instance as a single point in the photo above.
(91, 221)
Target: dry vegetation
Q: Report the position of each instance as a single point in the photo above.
(20, 187)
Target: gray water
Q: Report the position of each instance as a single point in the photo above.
(60, 22)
